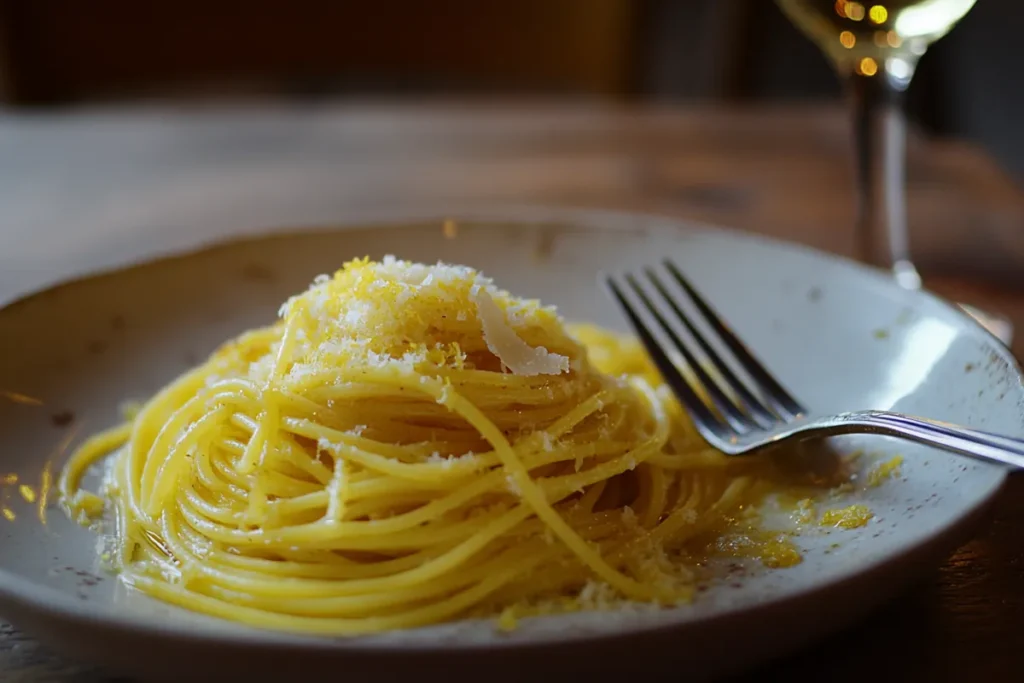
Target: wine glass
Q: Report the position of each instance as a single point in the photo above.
(875, 47)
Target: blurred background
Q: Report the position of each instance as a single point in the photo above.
(59, 53)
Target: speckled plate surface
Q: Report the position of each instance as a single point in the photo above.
(841, 336)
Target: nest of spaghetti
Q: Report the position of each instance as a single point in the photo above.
(407, 445)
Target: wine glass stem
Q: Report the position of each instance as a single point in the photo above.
(880, 133)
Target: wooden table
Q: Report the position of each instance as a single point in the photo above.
(95, 188)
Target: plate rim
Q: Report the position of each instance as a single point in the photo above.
(26, 595)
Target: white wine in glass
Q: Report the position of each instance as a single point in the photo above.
(882, 36)
(875, 47)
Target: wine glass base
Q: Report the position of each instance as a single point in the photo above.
(906, 275)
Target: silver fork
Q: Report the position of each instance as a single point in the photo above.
(740, 417)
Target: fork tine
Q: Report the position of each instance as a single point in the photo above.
(706, 422)
(782, 402)
(747, 401)
(732, 413)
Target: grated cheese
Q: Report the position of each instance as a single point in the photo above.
(547, 443)
(448, 461)
(851, 517)
(513, 485)
(396, 313)
(884, 470)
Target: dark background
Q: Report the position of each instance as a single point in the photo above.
(57, 53)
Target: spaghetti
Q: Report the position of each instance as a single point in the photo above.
(408, 445)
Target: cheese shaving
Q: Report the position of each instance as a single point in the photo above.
(514, 353)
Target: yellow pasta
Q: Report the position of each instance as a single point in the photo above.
(409, 445)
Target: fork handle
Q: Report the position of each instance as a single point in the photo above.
(949, 437)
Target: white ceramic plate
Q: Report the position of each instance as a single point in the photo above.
(841, 336)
